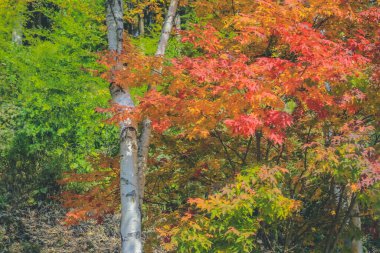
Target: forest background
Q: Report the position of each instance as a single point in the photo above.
(264, 115)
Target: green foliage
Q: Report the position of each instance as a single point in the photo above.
(213, 194)
(49, 92)
(229, 221)
(147, 44)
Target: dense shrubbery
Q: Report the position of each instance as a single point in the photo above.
(48, 92)
(265, 118)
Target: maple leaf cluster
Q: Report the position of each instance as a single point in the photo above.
(94, 194)
(274, 70)
(248, 93)
(298, 78)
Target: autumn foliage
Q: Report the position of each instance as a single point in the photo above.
(100, 191)
(267, 125)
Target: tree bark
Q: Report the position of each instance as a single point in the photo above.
(177, 25)
(115, 25)
(143, 151)
(141, 25)
(357, 244)
(130, 225)
(146, 125)
(133, 154)
(167, 28)
(177, 21)
(258, 135)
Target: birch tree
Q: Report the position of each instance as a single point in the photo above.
(133, 152)
(357, 244)
(146, 125)
(130, 226)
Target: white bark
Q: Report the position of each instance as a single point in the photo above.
(115, 25)
(146, 126)
(167, 28)
(130, 225)
(133, 155)
(357, 244)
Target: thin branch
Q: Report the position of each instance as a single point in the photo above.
(247, 150)
(216, 134)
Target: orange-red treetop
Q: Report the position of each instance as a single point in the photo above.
(261, 67)
(249, 70)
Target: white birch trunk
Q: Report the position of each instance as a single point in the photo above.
(115, 25)
(167, 28)
(134, 156)
(357, 244)
(146, 126)
(130, 225)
